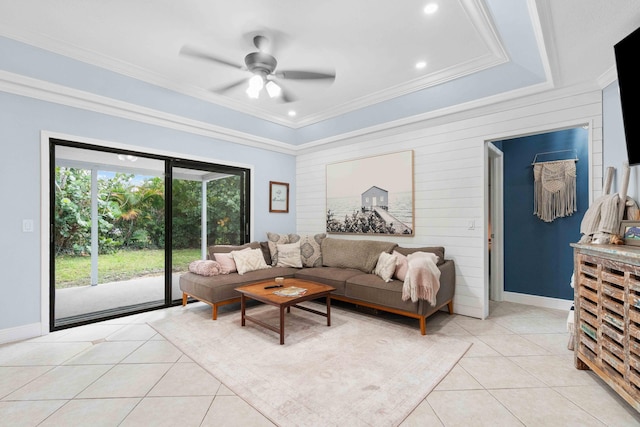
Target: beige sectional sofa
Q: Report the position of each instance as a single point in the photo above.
(345, 264)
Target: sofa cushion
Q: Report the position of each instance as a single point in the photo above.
(273, 239)
(225, 249)
(221, 288)
(360, 254)
(371, 288)
(249, 260)
(386, 266)
(331, 276)
(289, 255)
(310, 248)
(438, 250)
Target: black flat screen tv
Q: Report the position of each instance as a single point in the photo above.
(627, 52)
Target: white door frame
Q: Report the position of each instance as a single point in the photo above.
(495, 215)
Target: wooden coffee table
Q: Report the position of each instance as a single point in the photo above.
(257, 291)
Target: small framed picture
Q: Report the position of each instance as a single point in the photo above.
(630, 232)
(278, 197)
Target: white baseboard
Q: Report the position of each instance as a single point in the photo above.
(538, 301)
(20, 333)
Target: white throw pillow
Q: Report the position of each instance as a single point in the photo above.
(249, 260)
(289, 255)
(386, 266)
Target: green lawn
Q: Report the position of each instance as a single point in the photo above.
(76, 270)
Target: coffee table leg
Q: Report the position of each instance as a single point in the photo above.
(281, 325)
(328, 310)
(242, 308)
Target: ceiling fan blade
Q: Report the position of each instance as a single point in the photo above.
(305, 75)
(286, 96)
(195, 53)
(230, 86)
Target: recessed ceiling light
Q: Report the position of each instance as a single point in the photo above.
(421, 64)
(431, 8)
(291, 113)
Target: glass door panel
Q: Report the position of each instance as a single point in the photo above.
(208, 207)
(108, 233)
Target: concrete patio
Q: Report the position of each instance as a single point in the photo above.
(77, 301)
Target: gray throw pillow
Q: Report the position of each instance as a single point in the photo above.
(273, 239)
(310, 248)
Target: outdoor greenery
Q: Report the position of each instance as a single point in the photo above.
(131, 223)
(76, 270)
(130, 214)
(223, 212)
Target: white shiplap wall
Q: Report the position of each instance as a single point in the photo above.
(450, 176)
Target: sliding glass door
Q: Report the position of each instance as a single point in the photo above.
(125, 225)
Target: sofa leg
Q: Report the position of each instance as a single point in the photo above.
(423, 326)
(214, 315)
(184, 299)
(450, 305)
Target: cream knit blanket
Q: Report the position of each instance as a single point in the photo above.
(423, 278)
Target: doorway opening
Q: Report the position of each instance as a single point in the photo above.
(529, 259)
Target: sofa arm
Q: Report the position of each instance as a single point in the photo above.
(447, 282)
(446, 291)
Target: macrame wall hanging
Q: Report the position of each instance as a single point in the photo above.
(554, 187)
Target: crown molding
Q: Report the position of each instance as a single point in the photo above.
(495, 56)
(127, 69)
(50, 92)
(608, 77)
(63, 95)
(324, 143)
(475, 10)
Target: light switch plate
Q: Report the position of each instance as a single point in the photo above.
(27, 226)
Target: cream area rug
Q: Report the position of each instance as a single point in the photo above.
(360, 371)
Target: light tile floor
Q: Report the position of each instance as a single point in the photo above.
(121, 373)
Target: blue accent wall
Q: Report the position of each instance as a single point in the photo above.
(538, 259)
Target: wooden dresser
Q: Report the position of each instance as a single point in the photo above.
(607, 315)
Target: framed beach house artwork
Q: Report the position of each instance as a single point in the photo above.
(372, 195)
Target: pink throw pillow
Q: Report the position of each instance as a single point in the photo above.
(227, 264)
(205, 267)
(402, 265)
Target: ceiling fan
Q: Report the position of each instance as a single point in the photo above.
(263, 67)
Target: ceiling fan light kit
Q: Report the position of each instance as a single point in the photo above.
(256, 83)
(273, 89)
